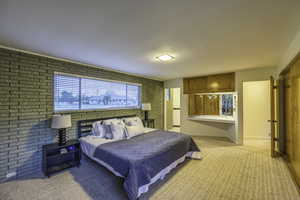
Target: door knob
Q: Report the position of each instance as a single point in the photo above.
(272, 121)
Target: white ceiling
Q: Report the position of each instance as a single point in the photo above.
(205, 36)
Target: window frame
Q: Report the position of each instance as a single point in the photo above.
(80, 91)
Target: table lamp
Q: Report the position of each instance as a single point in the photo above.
(146, 107)
(61, 122)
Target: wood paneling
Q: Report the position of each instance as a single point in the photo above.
(273, 116)
(195, 85)
(292, 117)
(204, 104)
(213, 83)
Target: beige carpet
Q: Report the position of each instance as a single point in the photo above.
(227, 172)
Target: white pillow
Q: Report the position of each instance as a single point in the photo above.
(118, 131)
(108, 133)
(98, 129)
(134, 131)
(134, 120)
(114, 121)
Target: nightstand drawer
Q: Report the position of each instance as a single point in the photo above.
(60, 159)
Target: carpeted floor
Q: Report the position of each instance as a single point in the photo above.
(227, 172)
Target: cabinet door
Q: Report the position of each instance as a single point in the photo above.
(192, 104)
(198, 85)
(186, 86)
(195, 85)
(196, 104)
(221, 83)
(212, 104)
(295, 116)
(288, 115)
(200, 104)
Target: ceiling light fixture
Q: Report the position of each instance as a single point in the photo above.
(165, 57)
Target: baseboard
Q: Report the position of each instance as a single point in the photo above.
(292, 171)
(258, 138)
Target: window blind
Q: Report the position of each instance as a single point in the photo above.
(66, 92)
(82, 93)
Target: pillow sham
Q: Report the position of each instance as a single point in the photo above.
(98, 129)
(134, 131)
(133, 120)
(113, 121)
(108, 132)
(118, 131)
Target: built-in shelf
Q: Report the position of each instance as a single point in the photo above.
(212, 118)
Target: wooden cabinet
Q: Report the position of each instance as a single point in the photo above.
(221, 83)
(213, 83)
(195, 85)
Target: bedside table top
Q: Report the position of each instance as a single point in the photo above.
(148, 120)
(56, 146)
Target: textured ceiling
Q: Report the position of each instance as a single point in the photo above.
(205, 37)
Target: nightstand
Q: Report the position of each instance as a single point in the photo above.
(149, 123)
(57, 158)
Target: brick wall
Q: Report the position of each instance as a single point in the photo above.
(26, 107)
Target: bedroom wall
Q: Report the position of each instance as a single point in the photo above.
(26, 107)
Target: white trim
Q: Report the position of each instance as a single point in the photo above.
(214, 93)
(96, 110)
(95, 78)
(257, 138)
(79, 63)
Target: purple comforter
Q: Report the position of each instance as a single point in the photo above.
(140, 158)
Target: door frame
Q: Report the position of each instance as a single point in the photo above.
(274, 115)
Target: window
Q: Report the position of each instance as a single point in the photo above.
(81, 93)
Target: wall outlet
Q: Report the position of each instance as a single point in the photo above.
(11, 174)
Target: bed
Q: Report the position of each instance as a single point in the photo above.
(140, 160)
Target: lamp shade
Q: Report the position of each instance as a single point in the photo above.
(146, 106)
(61, 121)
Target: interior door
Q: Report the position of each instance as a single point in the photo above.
(169, 108)
(274, 94)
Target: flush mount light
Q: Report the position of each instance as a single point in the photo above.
(165, 57)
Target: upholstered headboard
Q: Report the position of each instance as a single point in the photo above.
(85, 126)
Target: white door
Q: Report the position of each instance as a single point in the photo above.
(256, 109)
(176, 106)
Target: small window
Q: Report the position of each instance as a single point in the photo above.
(81, 93)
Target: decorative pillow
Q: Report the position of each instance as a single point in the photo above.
(102, 130)
(98, 129)
(134, 131)
(113, 121)
(133, 120)
(132, 123)
(108, 132)
(118, 131)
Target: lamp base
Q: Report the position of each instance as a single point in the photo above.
(62, 137)
(146, 115)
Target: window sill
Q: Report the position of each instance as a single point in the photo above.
(94, 110)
